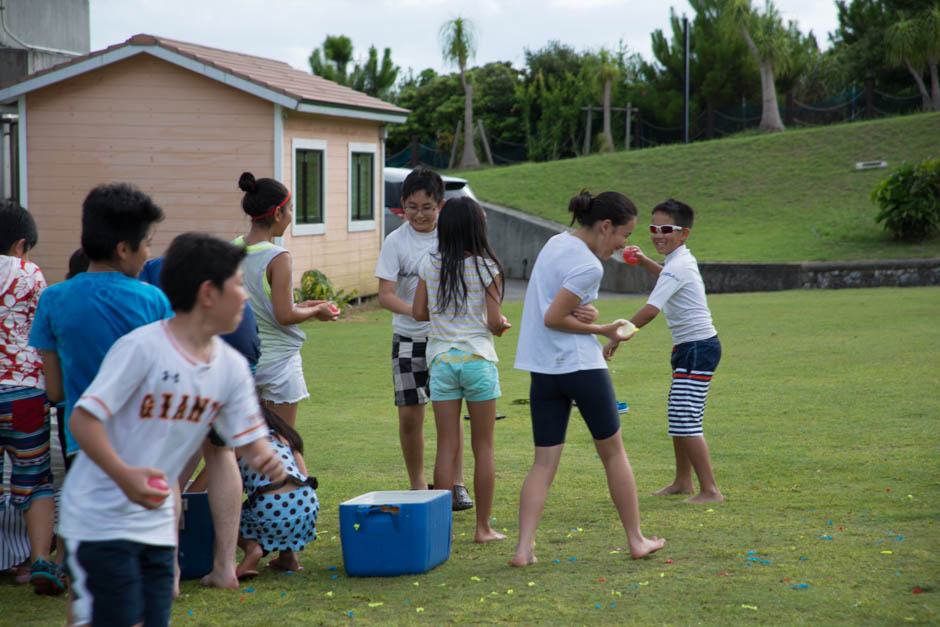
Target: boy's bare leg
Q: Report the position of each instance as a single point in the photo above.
(482, 420)
(178, 510)
(622, 488)
(696, 450)
(411, 436)
(39, 521)
(225, 490)
(532, 501)
(682, 484)
(287, 411)
(447, 418)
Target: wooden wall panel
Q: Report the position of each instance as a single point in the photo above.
(180, 137)
(348, 259)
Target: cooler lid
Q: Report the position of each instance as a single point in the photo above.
(396, 497)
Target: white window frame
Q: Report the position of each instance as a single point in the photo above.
(300, 143)
(363, 225)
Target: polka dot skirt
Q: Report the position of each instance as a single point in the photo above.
(282, 522)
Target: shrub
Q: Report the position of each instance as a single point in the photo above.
(314, 285)
(910, 200)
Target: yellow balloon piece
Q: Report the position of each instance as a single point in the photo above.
(749, 607)
(474, 578)
(377, 604)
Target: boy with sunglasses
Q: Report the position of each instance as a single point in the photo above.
(680, 294)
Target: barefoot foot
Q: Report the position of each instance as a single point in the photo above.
(219, 579)
(488, 535)
(646, 547)
(284, 562)
(705, 497)
(672, 488)
(523, 559)
(249, 565)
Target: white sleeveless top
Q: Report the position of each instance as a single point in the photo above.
(278, 341)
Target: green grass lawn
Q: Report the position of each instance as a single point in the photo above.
(792, 196)
(822, 422)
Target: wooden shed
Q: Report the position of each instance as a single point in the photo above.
(182, 122)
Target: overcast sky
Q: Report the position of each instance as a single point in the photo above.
(288, 30)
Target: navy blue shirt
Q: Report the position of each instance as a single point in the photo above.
(244, 339)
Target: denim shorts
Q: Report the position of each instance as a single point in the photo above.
(458, 374)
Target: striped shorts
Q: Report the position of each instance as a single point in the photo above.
(24, 434)
(693, 365)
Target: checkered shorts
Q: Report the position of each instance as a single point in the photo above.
(410, 371)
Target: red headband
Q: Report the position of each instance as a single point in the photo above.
(271, 212)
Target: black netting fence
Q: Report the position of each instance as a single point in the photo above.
(854, 104)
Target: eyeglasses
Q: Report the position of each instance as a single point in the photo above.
(426, 209)
(665, 229)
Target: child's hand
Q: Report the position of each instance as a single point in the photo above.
(633, 255)
(134, 484)
(261, 456)
(585, 313)
(326, 311)
(610, 331)
(610, 348)
(502, 326)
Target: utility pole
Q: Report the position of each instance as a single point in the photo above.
(685, 105)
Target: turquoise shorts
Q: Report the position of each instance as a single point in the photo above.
(458, 374)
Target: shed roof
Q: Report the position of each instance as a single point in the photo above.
(266, 78)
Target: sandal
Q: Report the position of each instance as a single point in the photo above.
(45, 577)
(462, 498)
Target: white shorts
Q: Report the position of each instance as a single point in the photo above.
(282, 381)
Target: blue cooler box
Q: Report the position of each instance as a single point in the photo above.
(395, 532)
(196, 536)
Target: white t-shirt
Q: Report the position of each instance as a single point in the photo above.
(463, 327)
(680, 294)
(399, 260)
(157, 404)
(564, 262)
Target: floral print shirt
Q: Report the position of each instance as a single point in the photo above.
(21, 283)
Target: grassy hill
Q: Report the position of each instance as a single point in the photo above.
(792, 196)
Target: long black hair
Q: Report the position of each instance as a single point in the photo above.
(461, 230)
(279, 426)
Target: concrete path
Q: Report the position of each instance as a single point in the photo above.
(515, 290)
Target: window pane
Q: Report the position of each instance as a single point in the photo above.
(362, 186)
(309, 203)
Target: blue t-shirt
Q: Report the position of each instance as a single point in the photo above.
(244, 339)
(81, 318)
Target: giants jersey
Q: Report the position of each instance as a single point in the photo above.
(157, 404)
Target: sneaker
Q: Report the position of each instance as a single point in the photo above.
(46, 578)
(622, 408)
(462, 498)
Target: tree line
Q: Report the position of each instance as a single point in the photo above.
(739, 51)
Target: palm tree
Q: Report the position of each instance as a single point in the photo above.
(769, 43)
(337, 54)
(914, 42)
(607, 75)
(458, 44)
